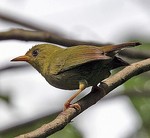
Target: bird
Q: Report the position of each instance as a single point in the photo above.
(76, 67)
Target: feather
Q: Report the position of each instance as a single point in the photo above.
(75, 56)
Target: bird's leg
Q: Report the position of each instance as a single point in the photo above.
(82, 85)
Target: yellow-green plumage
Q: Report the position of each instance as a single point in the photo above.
(65, 67)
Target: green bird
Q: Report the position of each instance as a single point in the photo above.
(76, 67)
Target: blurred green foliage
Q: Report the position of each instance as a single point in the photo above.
(140, 85)
(5, 98)
(141, 103)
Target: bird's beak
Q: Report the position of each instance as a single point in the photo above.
(21, 58)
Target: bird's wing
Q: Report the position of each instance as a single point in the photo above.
(75, 56)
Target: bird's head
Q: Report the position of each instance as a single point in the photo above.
(39, 56)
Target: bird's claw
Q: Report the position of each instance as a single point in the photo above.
(76, 106)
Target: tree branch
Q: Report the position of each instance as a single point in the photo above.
(27, 23)
(94, 96)
(26, 35)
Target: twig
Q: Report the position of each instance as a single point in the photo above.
(27, 23)
(133, 54)
(14, 19)
(94, 96)
(26, 35)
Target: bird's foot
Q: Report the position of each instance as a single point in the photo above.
(68, 105)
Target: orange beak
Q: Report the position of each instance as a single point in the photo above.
(21, 58)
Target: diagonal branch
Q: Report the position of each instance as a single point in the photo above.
(18, 21)
(94, 96)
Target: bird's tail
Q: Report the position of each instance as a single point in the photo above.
(111, 48)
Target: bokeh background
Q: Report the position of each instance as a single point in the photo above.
(27, 100)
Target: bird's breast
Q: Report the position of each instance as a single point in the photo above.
(92, 72)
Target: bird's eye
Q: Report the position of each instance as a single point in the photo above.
(35, 53)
